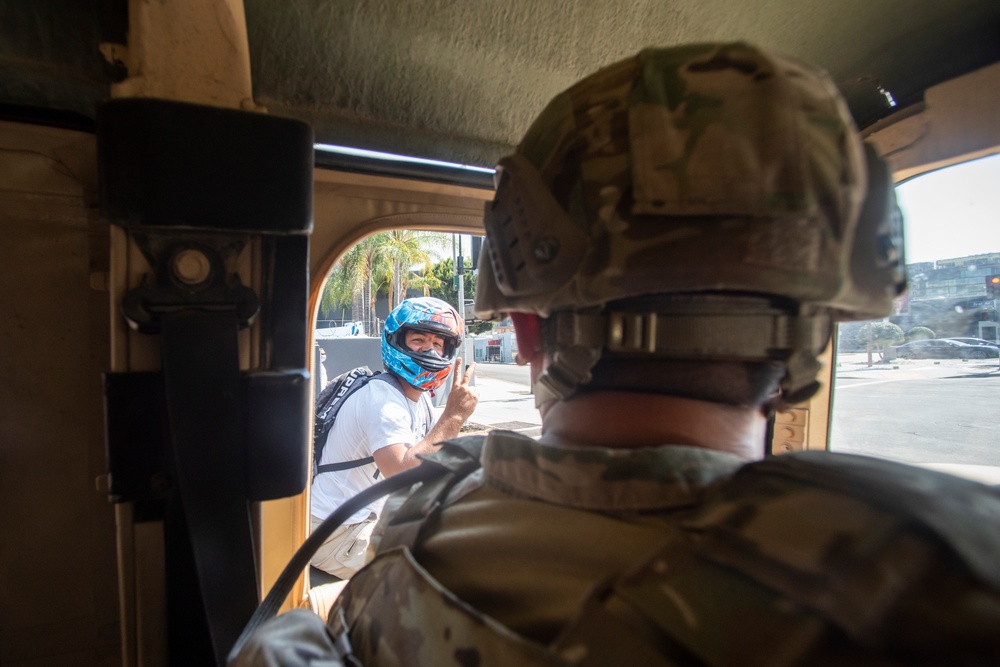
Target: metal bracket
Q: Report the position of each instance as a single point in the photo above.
(189, 276)
(632, 332)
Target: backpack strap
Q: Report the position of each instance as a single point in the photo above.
(344, 465)
(282, 587)
(457, 459)
(357, 463)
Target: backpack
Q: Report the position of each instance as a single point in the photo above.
(328, 404)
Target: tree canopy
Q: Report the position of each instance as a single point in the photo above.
(390, 264)
(446, 290)
(384, 263)
(884, 335)
(920, 333)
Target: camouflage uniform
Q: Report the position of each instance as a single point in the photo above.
(728, 183)
(560, 555)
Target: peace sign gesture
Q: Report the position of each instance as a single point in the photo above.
(463, 398)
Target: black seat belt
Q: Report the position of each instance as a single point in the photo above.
(268, 609)
(202, 379)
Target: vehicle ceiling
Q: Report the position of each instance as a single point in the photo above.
(461, 81)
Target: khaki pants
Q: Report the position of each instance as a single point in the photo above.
(346, 551)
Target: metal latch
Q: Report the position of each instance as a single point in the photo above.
(632, 332)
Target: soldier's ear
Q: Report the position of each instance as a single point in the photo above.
(528, 329)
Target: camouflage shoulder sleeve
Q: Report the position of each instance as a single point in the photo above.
(405, 512)
(297, 638)
(871, 546)
(394, 613)
(816, 560)
(963, 516)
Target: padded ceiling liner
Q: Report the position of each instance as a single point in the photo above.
(460, 80)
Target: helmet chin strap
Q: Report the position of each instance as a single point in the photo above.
(569, 369)
(583, 337)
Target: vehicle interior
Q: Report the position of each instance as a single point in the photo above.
(170, 210)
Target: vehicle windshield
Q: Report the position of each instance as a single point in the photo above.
(920, 386)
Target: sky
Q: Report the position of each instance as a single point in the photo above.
(952, 212)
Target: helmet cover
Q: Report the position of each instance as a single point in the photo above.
(423, 370)
(702, 168)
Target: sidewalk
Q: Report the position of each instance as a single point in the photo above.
(854, 366)
(504, 405)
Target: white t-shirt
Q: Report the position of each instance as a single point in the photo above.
(375, 416)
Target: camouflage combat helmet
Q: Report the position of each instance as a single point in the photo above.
(707, 172)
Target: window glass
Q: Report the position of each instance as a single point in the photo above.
(921, 386)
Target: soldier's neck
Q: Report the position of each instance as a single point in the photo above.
(630, 420)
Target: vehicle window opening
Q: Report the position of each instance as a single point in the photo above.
(920, 385)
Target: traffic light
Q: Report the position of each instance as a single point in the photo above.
(477, 247)
(459, 271)
(993, 287)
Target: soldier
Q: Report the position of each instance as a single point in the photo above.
(674, 238)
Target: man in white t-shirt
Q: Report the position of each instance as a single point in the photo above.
(390, 421)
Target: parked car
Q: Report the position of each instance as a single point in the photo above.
(973, 341)
(945, 348)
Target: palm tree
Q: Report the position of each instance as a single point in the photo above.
(382, 261)
(406, 249)
(426, 280)
(352, 280)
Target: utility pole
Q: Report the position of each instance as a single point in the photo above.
(460, 280)
(869, 325)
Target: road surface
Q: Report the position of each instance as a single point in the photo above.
(918, 411)
(506, 372)
(915, 411)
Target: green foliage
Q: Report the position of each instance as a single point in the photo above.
(391, 263)
(444, 273)
(336, 295)
(478, 327)
(408, 253)
(383, 263)
(883, 335)
(353, 274)
(920, 333)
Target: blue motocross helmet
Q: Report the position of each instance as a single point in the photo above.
(423, 370)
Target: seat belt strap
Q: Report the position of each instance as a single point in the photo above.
(202, 380)
(345, 465)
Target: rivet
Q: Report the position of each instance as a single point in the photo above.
(191, 266)
(546, 249)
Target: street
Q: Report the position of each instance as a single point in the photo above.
(918, 411)
(915, 411)
(506, 372)
(505, 400)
